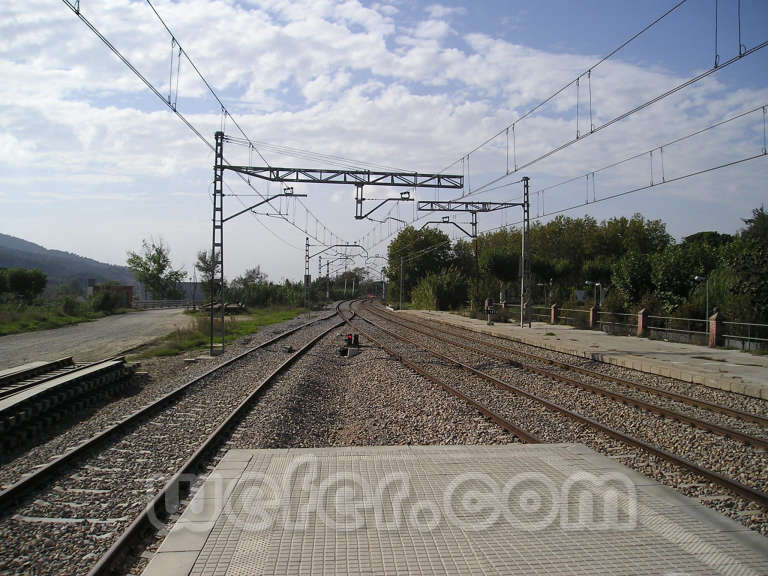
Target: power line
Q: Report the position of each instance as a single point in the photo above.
(315, 156)
(638, 189)
(76, 10)
(588, 74)
(743, 52)
(572, 82)
(200, 75)
(590, 176)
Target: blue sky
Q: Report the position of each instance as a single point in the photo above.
(92, 162)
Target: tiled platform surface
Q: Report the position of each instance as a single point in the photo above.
(514, 509)
(730, 370)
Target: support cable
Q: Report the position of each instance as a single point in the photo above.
(200, 75)
(592, 174)
(743, 51)
(644, 187)
(74, 7)
(717, 54)
(567, 85)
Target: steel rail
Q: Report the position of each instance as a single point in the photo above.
(17, 490)
(523, 435)
(747, 492)
(659, 410)
(11, 378)
(158, 505)
(72, 370)
(683, 398)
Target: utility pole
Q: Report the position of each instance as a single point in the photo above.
(306, 278)
(524, 249)
(217, 242)
(402, 262)
(328, 280)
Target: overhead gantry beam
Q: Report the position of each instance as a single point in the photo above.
(357, 177)
(454, 206)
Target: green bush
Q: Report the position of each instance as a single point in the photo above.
(25, 284)
(71, 306)
(104, 301)
(445, 291)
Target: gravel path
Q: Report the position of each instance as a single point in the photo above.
(91, 341)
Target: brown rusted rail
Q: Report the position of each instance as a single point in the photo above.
(629, 400)
(736, 487)
(683, 398)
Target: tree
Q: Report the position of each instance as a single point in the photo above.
(631, 277)
(503, 265)
(153, 269)
(424, 252)
(208, 267)
(25, 284)
(748, 259)
(443, 291)
(247, 288)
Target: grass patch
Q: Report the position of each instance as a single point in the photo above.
(198, 335)
(15, 318)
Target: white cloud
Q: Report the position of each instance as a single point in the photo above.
(438, 11)
(341, 78)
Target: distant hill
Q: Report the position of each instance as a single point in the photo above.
(61, 267)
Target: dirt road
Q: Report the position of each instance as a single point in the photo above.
(90, 341)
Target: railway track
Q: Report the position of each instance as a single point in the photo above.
(488, 341)
(540, 366)
(533, 409)
(89, 505)
(35, 395)
(19, 376)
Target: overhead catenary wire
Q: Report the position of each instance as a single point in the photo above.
(200, 75)
(743, 52)
(590, 175)
(563, 88)
(75, 8)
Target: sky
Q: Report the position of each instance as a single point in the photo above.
(92, 161)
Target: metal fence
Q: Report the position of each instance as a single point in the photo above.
(539, 313)
(576, 317)
(751, 337)
(674, 329)
(747, 336)
(619, 323)
(156, 304)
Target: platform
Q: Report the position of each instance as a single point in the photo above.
(730, 370)
(513, 509)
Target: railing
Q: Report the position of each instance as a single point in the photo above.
(745, 335)
(539, 313)
(619, 323)
(576, 317)
(674, 329)
(156, 304)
